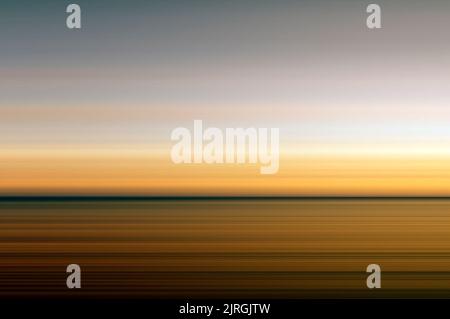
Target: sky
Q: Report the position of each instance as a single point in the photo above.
(361, 112)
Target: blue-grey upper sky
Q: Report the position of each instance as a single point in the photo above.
(307, 66)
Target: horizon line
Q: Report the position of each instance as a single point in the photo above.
(4, 198)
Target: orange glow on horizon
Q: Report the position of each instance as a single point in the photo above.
(304, 171)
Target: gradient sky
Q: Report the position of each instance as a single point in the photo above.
(360, 112)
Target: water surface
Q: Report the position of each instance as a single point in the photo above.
(184, 248)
